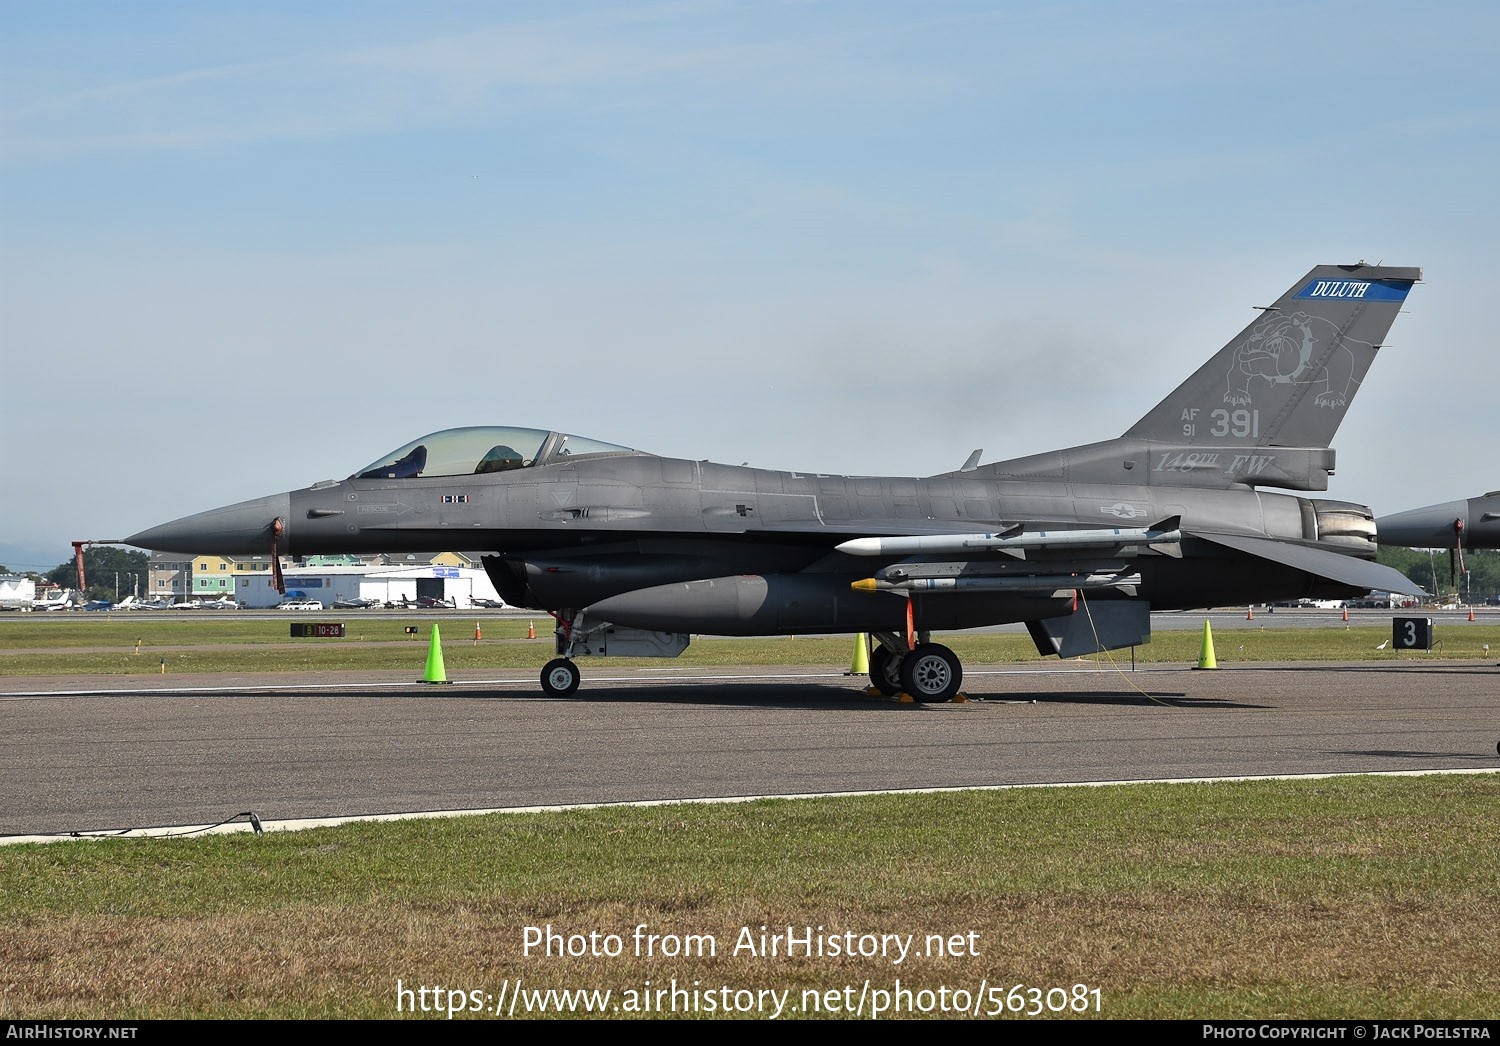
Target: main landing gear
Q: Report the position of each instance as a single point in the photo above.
(929, 672)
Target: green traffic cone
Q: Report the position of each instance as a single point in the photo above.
(861, 663)
(436, 672)
(1206, 651)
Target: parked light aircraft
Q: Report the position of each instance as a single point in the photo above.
(58, 599)
(354, 603)
(633, 553)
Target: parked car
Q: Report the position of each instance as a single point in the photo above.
(299, 604)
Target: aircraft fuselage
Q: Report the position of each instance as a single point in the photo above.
(576, 534)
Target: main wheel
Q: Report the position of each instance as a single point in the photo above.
(885, 670)
(931, 673)
(560, 677)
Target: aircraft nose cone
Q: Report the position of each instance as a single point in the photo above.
(233, 530)
(1430, 527)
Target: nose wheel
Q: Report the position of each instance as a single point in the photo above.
(560, 677)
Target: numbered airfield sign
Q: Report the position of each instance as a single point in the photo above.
(1411, 633)
(319, 630)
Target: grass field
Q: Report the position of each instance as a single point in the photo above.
(108, 647)
(1358, 897)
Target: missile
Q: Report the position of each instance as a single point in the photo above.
(1164, 533)
(1002, 583)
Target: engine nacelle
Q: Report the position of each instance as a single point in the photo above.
(1345, 523)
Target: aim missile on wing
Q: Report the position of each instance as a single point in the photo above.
(1016, 538)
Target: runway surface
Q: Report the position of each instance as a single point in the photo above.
(103, 754)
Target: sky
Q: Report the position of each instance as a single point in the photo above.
(248, 246)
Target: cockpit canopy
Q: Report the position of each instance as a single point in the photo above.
(481, 449)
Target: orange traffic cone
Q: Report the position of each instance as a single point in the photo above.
(478, 634)
(1250, 614)
(530, 630)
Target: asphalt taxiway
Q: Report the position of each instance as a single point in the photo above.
(109, 754)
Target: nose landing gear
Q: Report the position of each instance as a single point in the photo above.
(560, 677)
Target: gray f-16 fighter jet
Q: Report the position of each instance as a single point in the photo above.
(1454, 525)
(1474, 523)
(633, 553)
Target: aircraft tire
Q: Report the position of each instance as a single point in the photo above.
(931, 673)
(560, 677)
(885, 671)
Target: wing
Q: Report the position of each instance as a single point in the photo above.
(1332, 566)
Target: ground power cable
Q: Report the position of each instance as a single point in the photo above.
(1083, 601)
(118, 833)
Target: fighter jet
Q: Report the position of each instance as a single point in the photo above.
(1453, 525)
(633, 553)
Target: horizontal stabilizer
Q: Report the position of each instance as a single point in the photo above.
(1346, 570)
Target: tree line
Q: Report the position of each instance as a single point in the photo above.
(100, 565)
(1479, 581)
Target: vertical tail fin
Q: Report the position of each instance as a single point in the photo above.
(1288, 378)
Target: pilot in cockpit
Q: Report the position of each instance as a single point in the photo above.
(499, 459)
(408, 467)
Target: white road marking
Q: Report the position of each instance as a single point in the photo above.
(302, 824)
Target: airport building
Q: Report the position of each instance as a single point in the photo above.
(169, 576)
(392, 578)
(456, 585)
